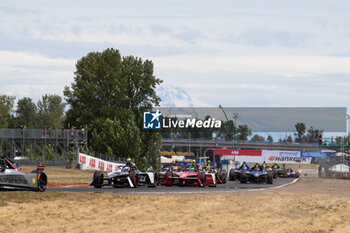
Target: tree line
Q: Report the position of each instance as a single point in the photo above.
(47, 112)
(109, 94)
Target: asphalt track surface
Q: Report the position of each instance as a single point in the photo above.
(230, 186)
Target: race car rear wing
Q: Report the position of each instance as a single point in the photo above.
(40, 167)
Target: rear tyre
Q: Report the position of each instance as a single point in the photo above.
(274, 174)
(232, 176)
(201, 176)
(157, 178)
(219, 177)
(269, 179)
(223, 177)
(134, 178)
(244, 177)
(98, 179)
(168, 174)
(42, 181)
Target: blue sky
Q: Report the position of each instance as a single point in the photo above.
(234, 53)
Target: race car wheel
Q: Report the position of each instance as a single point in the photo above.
(98, 179)
(42, 181)
(269, 178)
(223, 177)
(201, 176)
(218, 177)
(168, 174)
(244, 177)
(157, 178)
(134, 178)
(274, 174)
(232, 176)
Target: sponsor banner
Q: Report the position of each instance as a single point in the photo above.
(287, 157)
(248, 159)
(280, 153)
(308, 171)
(237, 152)
(314, 154)
(288, 160)
(88, 162)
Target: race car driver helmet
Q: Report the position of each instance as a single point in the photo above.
(193, 163)
(128, 162)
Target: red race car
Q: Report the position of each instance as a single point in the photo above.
(190, 177)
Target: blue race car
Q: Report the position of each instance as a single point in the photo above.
(257, 174)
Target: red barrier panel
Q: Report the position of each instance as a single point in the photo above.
(237, 152)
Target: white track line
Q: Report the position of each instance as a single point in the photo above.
(277, 187)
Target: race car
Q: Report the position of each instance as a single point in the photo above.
(235, 174)
(286, 173)
(190, 177)
(128, 175)
(12, 178)
(290, 173)
(163, 173)
(220, 174)
(257, 174)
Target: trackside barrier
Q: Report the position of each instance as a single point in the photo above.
(307, 172)
(88, 162)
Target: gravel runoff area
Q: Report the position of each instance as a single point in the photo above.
(309, 205)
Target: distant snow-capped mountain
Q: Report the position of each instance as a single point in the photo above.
(172, 96)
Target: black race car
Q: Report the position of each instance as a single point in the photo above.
(128, 176)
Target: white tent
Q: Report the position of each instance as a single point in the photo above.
(341, 154)
(340, 168)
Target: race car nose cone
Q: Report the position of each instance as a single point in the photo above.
(256, 175)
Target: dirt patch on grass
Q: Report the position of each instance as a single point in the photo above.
(306, 206)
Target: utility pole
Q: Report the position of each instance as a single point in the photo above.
(235, 116)
(348, 118)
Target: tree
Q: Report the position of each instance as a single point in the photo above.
(244, 132)
(270, 138)
(118, 137)
(257, 138)
(300, 128)
(313, 134)
(6, 108)
(225, 131)
(25, 113)
(50, 111)
(107, 86)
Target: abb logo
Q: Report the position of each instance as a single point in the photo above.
(109, 167)
(101, 166)
(82, 159)
(92, 163)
